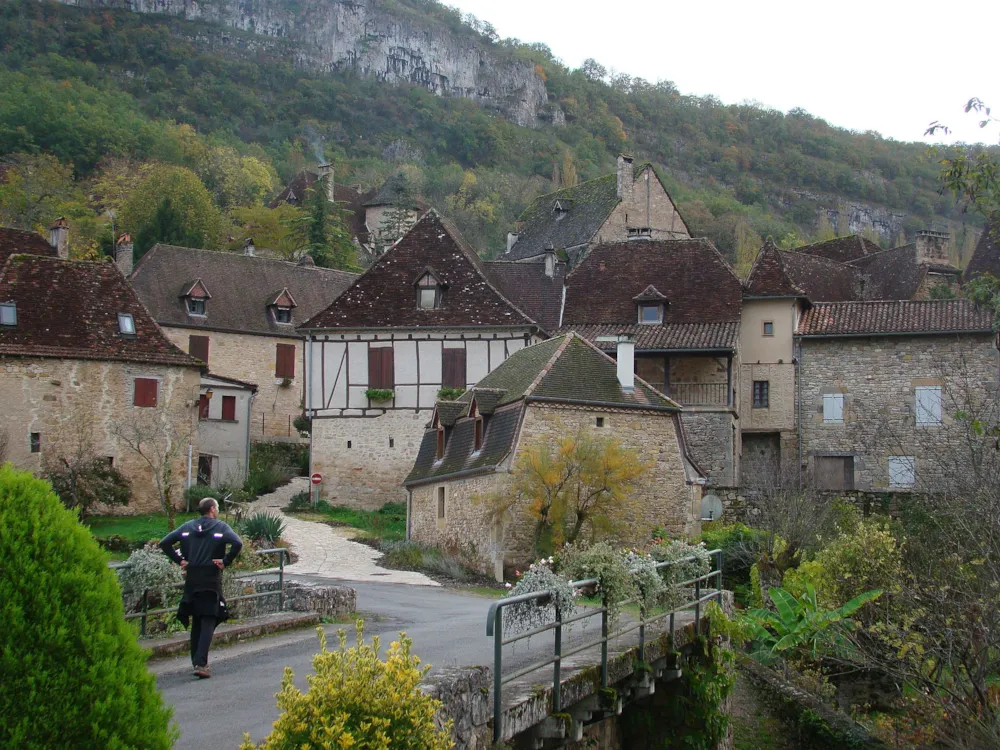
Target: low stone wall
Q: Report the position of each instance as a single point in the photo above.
(465, 695)
(739, 505)
(325, 601)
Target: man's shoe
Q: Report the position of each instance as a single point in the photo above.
(203, 672)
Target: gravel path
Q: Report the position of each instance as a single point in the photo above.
(328, 552)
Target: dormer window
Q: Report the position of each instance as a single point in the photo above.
(430, 291)
(650, 314)
(126, 324)
(281, 305)
(650, 305)
(439, 452)
(478, 437)
(196, 296)
(8, 314)
(282, 315)
(196, 306)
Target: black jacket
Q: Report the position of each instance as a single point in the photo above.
(202, 540)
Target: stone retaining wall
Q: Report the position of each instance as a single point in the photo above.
(326, 601)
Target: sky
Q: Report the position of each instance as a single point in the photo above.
(883, 65)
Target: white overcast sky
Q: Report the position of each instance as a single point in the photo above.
(884, 65)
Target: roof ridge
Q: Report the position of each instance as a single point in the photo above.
(883, 251)
(822, 258)
(548, 365)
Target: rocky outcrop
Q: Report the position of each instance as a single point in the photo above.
(367, 37)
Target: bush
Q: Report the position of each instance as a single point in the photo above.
(303, 424)
(149, 570)
(274, 464)
(355, 699)
(300, 501)
(262, 526)
(404, 555)
(674, 574)
(198, 492)
(73, 673)
(80, 485)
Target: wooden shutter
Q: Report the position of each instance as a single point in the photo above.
(203, 404)
(381, 372)
(229, 407)
(284, 366)
(144, 393)
(198, 347)
(453, 368)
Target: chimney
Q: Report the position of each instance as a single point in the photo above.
(59, 237)
(550, 260)
(625, 179)
(933, 247)
(511, 240)
(625, 355)
(326, 175)
(248, 247)
(307, 261)
(123, 254)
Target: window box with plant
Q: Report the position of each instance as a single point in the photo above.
(450, 394)
(380, 394)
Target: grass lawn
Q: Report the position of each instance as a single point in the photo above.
(388, 523)
(142, 528)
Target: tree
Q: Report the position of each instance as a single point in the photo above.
(167, 225)
(73, 673)
(973, 175)
(270, 228)
(34, 191)
(321, 230)
(237, 180)
(82, 483)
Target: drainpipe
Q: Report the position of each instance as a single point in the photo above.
(798, 382)
(409, 503)
(246, 463)
(190, 451)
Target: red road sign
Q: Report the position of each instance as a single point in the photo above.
(316, 478)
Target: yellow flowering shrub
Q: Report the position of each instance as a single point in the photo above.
(356, 700)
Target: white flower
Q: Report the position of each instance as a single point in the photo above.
(507, 585)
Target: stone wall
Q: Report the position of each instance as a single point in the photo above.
(649, 207)
(780, 413)
(74, 405)
(713, 441)
(878, 377)
(326, 601)
(252, 359)
(364, 460)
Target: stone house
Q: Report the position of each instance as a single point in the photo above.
(540, 394)
(224, 420)
(238, 314)
(881, 384)
(631, 203)
(425, 316)
(680, 302)
(81, 362)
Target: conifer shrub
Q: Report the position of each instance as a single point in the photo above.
(73, 674)
(355, 699)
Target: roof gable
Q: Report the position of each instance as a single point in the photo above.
(821, 279)
(196, 289)
(384, 295)
(527, 286)
(18, 241)
(841, 249)
(767, 277)
(283, 298)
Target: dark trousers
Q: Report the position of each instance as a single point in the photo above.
(202, 630)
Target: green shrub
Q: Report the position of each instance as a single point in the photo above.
(82, 484)
(303, 424)
(198, 492)
(300, 501)
(740, 547)
(404, 555)
(274, 464)
(262, 526)
(73, 673)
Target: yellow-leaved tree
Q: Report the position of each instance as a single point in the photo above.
(357, 700)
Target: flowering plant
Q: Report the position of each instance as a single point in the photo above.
(679, 572)
(534, 613)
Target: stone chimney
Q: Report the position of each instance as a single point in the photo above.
(550, 260)
(625, 179)
(248, 247)
(511, 240)
(307, 261)
(933, 247)
(123, 254)
(326, 175)
(59, 237)
(626, 363)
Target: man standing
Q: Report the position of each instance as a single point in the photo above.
(202, 557)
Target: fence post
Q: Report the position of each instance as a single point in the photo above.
(557, 666)
(497, 672)
(604, 639)
(642, 631)
(145, 608)
(281, 581)
(697, 606)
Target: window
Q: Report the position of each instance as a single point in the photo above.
(440, 502)
(761, 395)
(283, 314)
(600, 421)
(768, 328)
(203, 404)
(834, 472)
(928, 404)
(126, 324)
(439, 452)
(453, 368)
(284, 361)
(8, 314)
(833, 408)
(428, 299)
(198, 347)
(428, 292)
(196, 306)
(902, 471)
(36, 442)
(229, 408)
(392, 443)
(381, 374)
(478, 439)
(145, 392)
(650, 314)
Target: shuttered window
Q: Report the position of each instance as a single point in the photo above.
(453, 368)
(902, 471)
(834, 472)
(145, 392)
(198, 347)
(928, 403)
(381, 374)
(229, 408)
(833, 408)
(203, 404)
(284, 364)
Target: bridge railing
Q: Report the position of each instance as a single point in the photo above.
(494, 629)
(146, 613)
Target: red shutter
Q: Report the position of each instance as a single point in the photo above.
(380, 368)
(388, 369)
(284, 365)
(453, 368)
(203, 404)
(229, 408)
(144, 393)
(198, 347)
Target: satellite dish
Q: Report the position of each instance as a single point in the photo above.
(711, 508)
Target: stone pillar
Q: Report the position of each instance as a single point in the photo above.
(326, 176)
(625, 179)
(59, 237)
(123, 254)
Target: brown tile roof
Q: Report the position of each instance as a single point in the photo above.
(240, 285)
(527, 286)
(18, 241)
(353, 201)
(671, 336)
(384, 296)
(69, 310)
(986, 258)
(894, 317)
(767, 277)
(841, 249)
(890, 274)
(701, 291)
(821, 279)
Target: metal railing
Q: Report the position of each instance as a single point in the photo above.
(700, 394)
(146, 613)
(494, 629)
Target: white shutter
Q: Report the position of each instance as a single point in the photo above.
(928, 404)
(833, 407)
(902, 471)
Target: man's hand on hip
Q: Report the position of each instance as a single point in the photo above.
(219, 564)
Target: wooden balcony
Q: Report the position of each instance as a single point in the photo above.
(700, 394)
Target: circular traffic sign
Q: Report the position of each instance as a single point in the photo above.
(316, 478)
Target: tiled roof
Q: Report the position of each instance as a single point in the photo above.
(650, 294)
(701, 292)
(894, 316)
(18, 241)
(384, 296)
(450, 411)
(679, 336)
(353, 200)
(527, 286)
(841, 249)
(69, 310)
(986, 258)
(232, 381)
(394, 192)
(241, 286)
(821, 279)
(890, 274)
(767, 277)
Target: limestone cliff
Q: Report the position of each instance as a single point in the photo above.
(374, 39)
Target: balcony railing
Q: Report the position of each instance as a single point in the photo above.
(700, 394)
